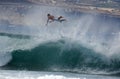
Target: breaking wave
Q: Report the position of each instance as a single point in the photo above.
(62, 56)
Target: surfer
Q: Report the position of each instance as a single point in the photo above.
(51, 18)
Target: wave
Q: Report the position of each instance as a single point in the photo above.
(56, 56)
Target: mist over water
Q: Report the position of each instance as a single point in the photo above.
(95, 32)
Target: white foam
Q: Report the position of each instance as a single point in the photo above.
(35, 75)
(48, 75)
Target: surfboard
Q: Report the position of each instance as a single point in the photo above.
(61, 20)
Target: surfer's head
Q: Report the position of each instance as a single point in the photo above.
(48, 14)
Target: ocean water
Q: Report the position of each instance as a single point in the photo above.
(86, 46)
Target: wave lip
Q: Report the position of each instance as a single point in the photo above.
(5, 58)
